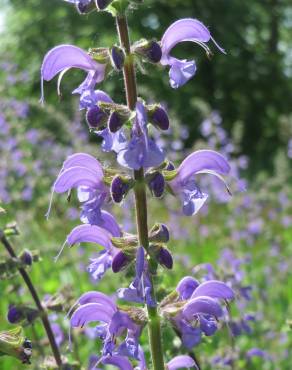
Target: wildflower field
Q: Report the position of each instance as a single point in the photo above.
(145, 185)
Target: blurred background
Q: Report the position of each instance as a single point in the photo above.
(239, 104)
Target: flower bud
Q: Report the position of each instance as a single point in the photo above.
(159, 118)
(150, 50)
(156, 185)
(14, 314)
(115, 122)
(170, 167)
(119, 189)
(19, 313)
(117, 57)
(119, 262)
(95, 117)
(13, 343)
(84, 6)
(165, 258)
(102, 4)
(26, 258)
(159, 233)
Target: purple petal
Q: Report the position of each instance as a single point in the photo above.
(121, 321)
(77, 176)
(91, 312)
(65, 56)
(97, 297)
(214, 289)
(256, 352)
(180, 362)
(109, 223)
(186, 287)
(203, 305)
(202, 160)
(120, 362)
(100, 265)
(181, 72)
(89, 234)
(83, 160)
(183, 30)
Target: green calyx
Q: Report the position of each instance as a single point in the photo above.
(13, 343)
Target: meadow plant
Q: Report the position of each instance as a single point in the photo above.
(192, 309)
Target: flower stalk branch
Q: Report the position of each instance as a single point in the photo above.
(43, 315)
(154, 326)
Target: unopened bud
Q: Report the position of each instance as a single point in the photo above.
(14, 314)
(26, 258)
(159, 233)
(119, 188)
(117, 57)
(165, 258)
(84, 6)
(150, 50)
(13, 343)
(170, 166)
(119, 262)
(156, 185)
(159, 118)
(115, 122)
(95, 117)
(18, 313)
(102, 4)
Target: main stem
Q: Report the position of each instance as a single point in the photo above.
(33, 292)
(154, 329)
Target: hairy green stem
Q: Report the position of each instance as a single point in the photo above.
(154, 326)
(33, 292)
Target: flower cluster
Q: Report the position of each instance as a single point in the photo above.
(127, 131)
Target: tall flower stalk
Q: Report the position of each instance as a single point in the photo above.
(155, 339)
(192, 309)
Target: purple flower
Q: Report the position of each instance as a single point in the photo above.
(84, 172)
(141, 151)
(93, 234)
(140, 290)
(180, 362)
(181, 71)
(184, 185)
(63, 57)
(256, 352)
(96, 306)
(201, 309)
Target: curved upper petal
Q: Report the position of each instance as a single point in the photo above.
(83, 160)
(214, 289)
(90, 234)
(187, 29)
(186, 287)
(120, 362)
(77, 176)
(202, 160)
(202, 305)
(91, 312)
(180, 362)
(65, 56)
(109, 223)
(97, 297)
